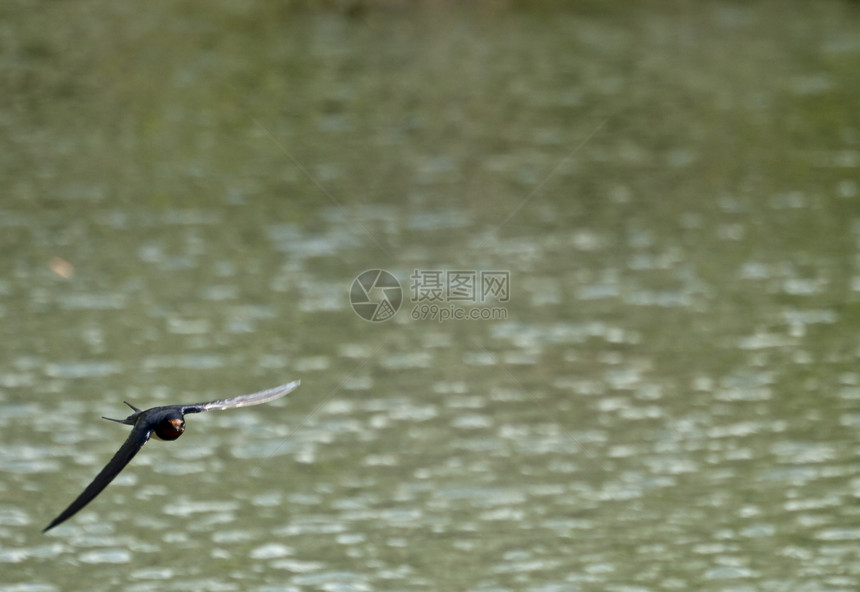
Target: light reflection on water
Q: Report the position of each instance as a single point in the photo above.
(671, 402)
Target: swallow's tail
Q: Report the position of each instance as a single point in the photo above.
(125, 421)
(128, 420)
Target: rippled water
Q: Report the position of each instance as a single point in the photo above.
(668, 398)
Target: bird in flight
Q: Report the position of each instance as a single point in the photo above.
(167, 423)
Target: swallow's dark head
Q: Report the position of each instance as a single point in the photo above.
(170, 428)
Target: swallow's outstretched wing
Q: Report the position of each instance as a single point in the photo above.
(244, 400)
(136, 439)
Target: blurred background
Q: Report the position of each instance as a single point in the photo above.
(664, 393)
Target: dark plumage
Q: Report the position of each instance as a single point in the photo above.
(167, 423)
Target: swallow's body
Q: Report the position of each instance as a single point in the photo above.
(167, 423)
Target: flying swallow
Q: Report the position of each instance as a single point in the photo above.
(167, 423)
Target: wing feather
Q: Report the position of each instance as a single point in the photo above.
(136, 439)
(244, 400)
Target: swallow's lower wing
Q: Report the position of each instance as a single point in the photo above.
(136, 439)
(244, 400)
